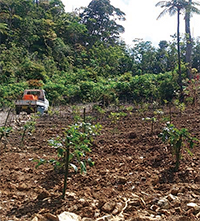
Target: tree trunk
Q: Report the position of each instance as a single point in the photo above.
(188, 42)
(179, 56)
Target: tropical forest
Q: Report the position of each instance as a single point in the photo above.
(120, 139)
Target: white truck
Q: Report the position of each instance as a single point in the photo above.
(33, 101)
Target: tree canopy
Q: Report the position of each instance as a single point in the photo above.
(78, 56)
(100, 19)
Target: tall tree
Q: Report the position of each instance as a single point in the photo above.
(172, 7)
(161, 57)
(191, 8)
(100, 19)
(144, 56)
(196, 55)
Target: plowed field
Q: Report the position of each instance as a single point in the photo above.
(133, 175)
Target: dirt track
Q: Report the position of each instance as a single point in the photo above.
(3, 116)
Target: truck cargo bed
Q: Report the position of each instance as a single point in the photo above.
(33, 101)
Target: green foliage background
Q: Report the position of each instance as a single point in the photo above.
(79, 57)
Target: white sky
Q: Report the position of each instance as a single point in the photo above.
(141, 20)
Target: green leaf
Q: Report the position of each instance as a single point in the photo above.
(90, 162)
(58, 164)
(191, 144)
(85, 148)
(189, 152)
(74, 167)
(61, 152)
(52, 161)
(40, 162)
(71, 156)
(83, 167)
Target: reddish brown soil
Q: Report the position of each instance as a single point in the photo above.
(129, 161)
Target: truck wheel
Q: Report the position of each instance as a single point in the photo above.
(40, 109)
(17, 109)
(28, 111)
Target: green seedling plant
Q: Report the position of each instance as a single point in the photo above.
(52, 112)
(169, 104)
(100, 111)
(191, 91)
(158, 114)
(115, 118)
(72, 150)
(155, 105)
(90, 119)
(76, 113)
(117, 103)
(29, 127)
(177, 140)
(194, 91)
(129, 110)
(152, 120)
(121, 107)
(143, 108)
(180, 106)
(4, 133)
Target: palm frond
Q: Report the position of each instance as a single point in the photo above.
(194, 10)
(161, 4)
(172, 10)
(164, 12)
(169, 7)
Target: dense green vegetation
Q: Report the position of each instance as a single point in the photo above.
(79, 57)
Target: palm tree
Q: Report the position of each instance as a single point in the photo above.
(172, 7)
(189, 10)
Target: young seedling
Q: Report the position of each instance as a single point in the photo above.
(129, 110)
(52, 112)
(179, 106)
(115, 118)
(4, 133)
(152, 120)
(169, 104)
(155, 118)
(194, 91)
(73, 148)
(143, 108)
(100, 111)
(191, 91)
(76, 113)
(159, 115)
(177, 140)
(29, 127)
(117, 103)
(155, 105)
